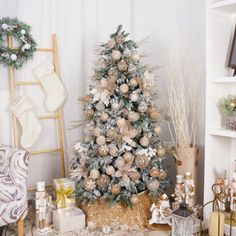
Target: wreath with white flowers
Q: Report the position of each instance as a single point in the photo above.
(20, 32)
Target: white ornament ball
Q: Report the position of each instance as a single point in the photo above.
(157, 130)
(124, 88)
(23, 31)
(100, 106)
(27, 46)
(120, 162)
(116, 55)
(134, 97)
(134, 199)
(13, 57)
(135, 57)
(94, 174)
(110, 170)
(104, 117)
(142, 107)
(115, 106)
(4, 26)
(153, 185)
(127, 52)
(101, 140)
(144, 141)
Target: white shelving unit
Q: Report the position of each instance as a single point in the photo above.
(220, 149)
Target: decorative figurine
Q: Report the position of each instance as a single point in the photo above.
(189, 189)
(161, 213)
(41, 204)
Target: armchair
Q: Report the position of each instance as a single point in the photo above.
(13, 186)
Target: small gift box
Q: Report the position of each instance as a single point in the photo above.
(68, 219)
(64, 190)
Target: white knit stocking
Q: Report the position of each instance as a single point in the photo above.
(31, 128)
(52, 86)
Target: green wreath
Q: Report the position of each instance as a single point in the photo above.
(21, 34)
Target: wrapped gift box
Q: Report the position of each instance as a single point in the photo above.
(68, 219)
(64, 190)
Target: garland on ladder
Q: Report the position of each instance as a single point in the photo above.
(15, 57)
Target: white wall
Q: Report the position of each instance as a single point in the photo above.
(82, 24)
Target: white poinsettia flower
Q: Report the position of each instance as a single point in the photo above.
(81, 170)
(124, 172)
(151, 152)
(79, 148)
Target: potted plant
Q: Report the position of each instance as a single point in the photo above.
(228, 107)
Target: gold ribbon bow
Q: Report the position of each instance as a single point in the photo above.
(63, 194)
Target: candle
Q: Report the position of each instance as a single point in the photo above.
(216, 224)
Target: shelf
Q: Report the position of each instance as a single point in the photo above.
(223, 132)
(223, 80)
(227, 6)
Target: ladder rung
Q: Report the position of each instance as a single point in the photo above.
(47, 117)
(33, 189)
(36, 152)
(44, 49)
(27, 83)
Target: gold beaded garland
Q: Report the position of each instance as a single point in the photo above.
(101, 140)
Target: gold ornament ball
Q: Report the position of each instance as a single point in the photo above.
(133, 116)
(157, 129)
(153, 185)
(114, 151)
(103, 151)
(124, 88)
(120, 162)
(89, 184)
(128, 157)
(161, 151)
(97, 131)
(104, 117)
(122, 66)
(110, 170)
(112, 134)
(154, 172)
(89, 113)
(94, 174)
(144, 141)
(141, 161)
(115, 189)
(133, 82)
(134, 175)
(103, 181)
(101, 140)
(87, 98)
(135, 57)
(121, 122)
(116, 55)
(134, 199)
(162, 174)
(153, 113)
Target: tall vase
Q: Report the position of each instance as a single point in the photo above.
(187, 162)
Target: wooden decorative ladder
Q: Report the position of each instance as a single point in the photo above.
(57, 116)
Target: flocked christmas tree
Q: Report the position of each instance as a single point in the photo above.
(121, 154)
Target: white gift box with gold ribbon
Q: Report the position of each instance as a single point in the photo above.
(68, 219)
(64, 190)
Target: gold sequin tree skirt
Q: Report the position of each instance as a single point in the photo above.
(101, 214)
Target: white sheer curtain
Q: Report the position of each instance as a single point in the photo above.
(80, 25)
